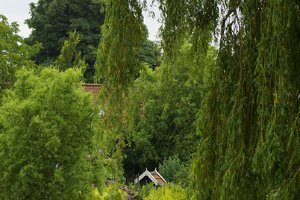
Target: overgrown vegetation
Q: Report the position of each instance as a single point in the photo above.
(218, 113)
(161, 124)
(168, 192)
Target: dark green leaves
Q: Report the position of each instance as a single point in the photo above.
(52, 21)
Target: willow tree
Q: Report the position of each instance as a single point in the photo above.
(117, 66)
(249, 119)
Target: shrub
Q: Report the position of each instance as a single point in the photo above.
(167, 192)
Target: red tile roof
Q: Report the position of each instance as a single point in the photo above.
(93, 88)
(157, 177)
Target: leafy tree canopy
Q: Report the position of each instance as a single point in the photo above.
(170, 168)
(53, 20)
(150, 54)
(45, 137)
(69, 56)
(161, 110)
(14, 52)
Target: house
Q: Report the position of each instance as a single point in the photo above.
(148, 177)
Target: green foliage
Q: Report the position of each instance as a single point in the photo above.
(249, 114)
(173, 170)
(144, 191)
(277, 157)
(150, 54)
(108, 155)
(242, 103)
(169, 167)
(45, 137)
(167, 192)
(69, 56)
(161, 111)
(193, 19)
(118, 66)
(53, 20)
(111, 192)
(249, 117)
(122, 34)
(14, 53)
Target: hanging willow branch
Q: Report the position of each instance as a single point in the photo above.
(249, 120)
(117, 67)
(193, 19)
(122, 33)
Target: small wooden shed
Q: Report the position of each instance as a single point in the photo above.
(148, 177)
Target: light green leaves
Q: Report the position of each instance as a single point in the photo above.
(14, 53)
(46, 134)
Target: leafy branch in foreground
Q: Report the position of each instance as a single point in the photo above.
(118, 65)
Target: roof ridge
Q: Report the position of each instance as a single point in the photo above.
(146, 173)
(160, 175)
(154, 176)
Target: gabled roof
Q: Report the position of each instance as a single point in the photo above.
(154, 176)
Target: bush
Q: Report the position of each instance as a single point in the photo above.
(110, 192)
(173, 170)
(143, 191)
(167, 192)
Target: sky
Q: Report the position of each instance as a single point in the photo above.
(18, 11)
